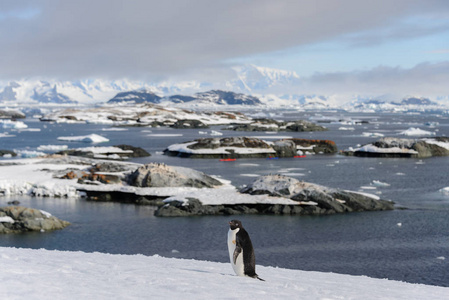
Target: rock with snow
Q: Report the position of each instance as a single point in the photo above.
(162, 175)
(315, 146)
(328, 200)
(273, 125)
(143, 114)
(11, 114)
(118, 152)
(398, 147)
(7, 153)
(229, 147)
(189, 124)
(17, 219)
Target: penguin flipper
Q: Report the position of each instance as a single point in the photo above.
(237, 251)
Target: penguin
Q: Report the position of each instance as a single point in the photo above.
(241, 251)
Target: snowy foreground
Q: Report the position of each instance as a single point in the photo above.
(44, 274)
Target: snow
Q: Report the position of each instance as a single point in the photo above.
(438, 143)
(416, 132)
(183, 148)
(52, 147)
(91, 138)
(6, 219)
(103, 150)
(45, 274)
(229, 195)
(372, 148)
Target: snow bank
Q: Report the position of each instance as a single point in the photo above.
(44, 274)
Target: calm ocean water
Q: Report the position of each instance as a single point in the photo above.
(369, 243)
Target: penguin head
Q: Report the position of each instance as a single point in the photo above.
(234, 224)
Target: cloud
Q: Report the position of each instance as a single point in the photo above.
(426, 79)
(148, 39)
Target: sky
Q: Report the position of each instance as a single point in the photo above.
(332, 45)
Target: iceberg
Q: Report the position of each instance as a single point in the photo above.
(92, 138)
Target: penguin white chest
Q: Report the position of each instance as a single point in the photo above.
(238, 266)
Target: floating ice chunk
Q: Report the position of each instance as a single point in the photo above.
(372, 134)
(5, 134)
(250, 175)
(346, 128)
(92, 138)
(52, 147)
(380, 184)
(114, 129)
(213, 132)
(416, 132)
(13, 124)
(441, 257)
(165, 134)
(368, 187)
(399, 224)
(445, 191)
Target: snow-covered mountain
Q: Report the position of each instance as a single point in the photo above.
(251, 78)
(244, 85)
(213, 97)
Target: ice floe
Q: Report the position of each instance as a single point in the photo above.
(91, 138)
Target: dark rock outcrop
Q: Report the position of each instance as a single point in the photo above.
(161, 175)
(16, 219)
(7, 152)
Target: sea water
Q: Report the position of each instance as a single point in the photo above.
(410, 243)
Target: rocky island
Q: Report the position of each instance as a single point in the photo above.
(402, 147)
(17, 219)
(304, 199)
(273, 125)
(177, 191)
(248, 147)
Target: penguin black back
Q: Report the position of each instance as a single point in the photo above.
(244, 244)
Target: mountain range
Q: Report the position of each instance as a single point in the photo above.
(250, 85)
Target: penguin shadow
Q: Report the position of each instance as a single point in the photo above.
(208, 272)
